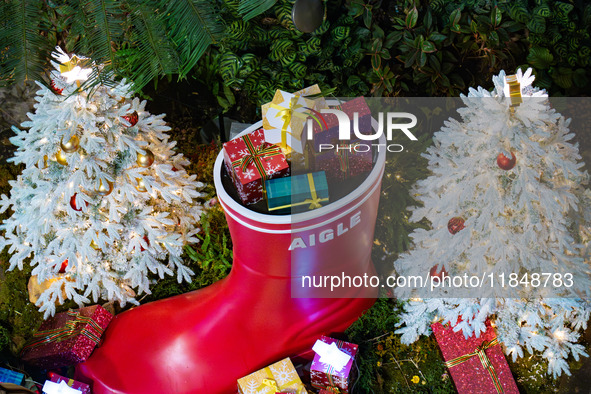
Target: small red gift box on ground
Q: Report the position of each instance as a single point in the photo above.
(83, 387)
(326, 126)
(325, 375)
(476, 365)
(68, 338)
(250, 161)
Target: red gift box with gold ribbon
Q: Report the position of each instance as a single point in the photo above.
(68, 338)
(476, 364)
(250, 161)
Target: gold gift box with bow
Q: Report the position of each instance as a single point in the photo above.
(285, 116)
(281, 376)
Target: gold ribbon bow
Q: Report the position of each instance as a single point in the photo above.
(514, 90)
(286, 113)
(315, 200)
(486, 363)
(270, 382)
(73, 62)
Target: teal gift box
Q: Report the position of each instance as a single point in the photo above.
(297, 193)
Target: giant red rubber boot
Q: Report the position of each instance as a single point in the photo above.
(203, 341)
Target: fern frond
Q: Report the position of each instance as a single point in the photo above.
(103, 27)
(23, 49)
(192, 25)
(152, 52)
(251, 8)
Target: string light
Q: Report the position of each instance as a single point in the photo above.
(560, 335)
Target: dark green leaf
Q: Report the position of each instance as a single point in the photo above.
(428, 20)
(540, 58)
(437, 37)
(411, 18)
(454, 17)
(251, 8)
(422, 59)
(428, 47)
(496, 16)
(367, 17)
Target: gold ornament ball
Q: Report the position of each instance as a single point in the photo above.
(45, 165)
(145, 160)
(141, 187)
(105, 190)
(60, 157)
(94, 245)
(72, 145)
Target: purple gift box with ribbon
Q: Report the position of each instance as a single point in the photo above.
(68, 338)
(325, 375)
(83, 387)
(343, 161)
(250, 161)
(325, 127)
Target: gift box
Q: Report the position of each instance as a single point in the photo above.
(330, 390)
(284, 117)
(278, 377)
(67, 338)
(8, 376)
(325, 127)
(342, 162)
(297, 193)
(476, 365)
(325, 373)
(250, 161)
(82, 387)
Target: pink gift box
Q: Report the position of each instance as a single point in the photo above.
(468, 373)
(70, 382)
(68, 338)
(323, 376)
(265, 161)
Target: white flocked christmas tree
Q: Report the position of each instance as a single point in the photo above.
(528, 215)
(103, 196)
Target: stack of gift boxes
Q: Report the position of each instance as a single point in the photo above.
(64, 340)
(331, 371)
(296, 161)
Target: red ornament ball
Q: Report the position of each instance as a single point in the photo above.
(439, 274)
(64, 266)
(54, 88)
(132, 118)
(147, 241)
(505, 163)
(73, 203)
(455, 224)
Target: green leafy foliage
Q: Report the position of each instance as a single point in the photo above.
(137, 39)
(18, 317)
(214, 252)
(560, 39)
(210, 260)
(267, 53)
(23, 51)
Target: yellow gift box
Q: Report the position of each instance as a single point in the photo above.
(284, 118)
(281, 376)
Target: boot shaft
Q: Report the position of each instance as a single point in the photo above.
(334, 240)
